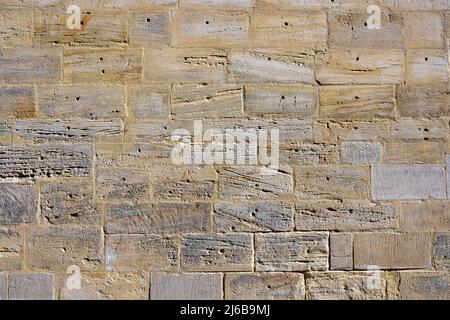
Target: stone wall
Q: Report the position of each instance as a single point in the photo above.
(358, 207)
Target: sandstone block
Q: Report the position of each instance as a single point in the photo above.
(149, 101)
(361, 152)
(419, 285)
(149, 28)
(341, 251)
(31, 286)
(17, 27)
(424, 29)
(424, 216)
(222, 4)
(423, 101)
(421, 129)
(413, 152)
(309, 153)
(122, 183)
(11, 254)
(18, 203)
(427, 66)
(360, 131)
(441, 253)
(17, 102)
(3, 287)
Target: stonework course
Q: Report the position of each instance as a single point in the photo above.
(94, 206)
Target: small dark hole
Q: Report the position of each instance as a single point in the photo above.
(426, 58)
(286, 24)
(77, 98)
(103, 71)
(283, 97)
(148, 20)
(269, 58)
(206, 22)
(357, 58)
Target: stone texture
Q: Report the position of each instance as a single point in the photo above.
(264, 286)
(419, 152)
(411, 129)
(424, 216)
(423, 101)
(16, 28)
(122, 183)
(11, 249)
(17, 102)
(18, 203)
(408, 182)
(392, 251)
(419, 285)
(3, 287)
(424, 30)
(341, 251)
(361, 152)
(297, 251)
(441, 251)
(194, 286)
(149, 101)
(147, 28)
(427, 66)
(30, 286)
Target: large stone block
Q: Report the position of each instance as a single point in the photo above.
(3, 286)
(18, 203)
(361, 152)
(431, 216)
(264, 286)
(419, 285)
(427, 66)
(190, 286)
(296, 251)
(17, 27)
(408, 182)
(149, 28)
(298, 153)
(341, 251)
(11, 252)
(421, 129)
(30, 286)
(424, 101)
(415, 151)
(359, 131)
(441, 250)
(122, 183)
(17, 102)
(424, 29)
(150, 101)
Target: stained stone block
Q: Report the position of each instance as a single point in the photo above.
(11, 254)
(31, 286)
(3, 286)
(17, 102)
(18, 203)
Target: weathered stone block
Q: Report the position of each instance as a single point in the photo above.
(84, 101)
(122, 183)
(264, 286)
(295, 4)
(344, 216)
(427, 66)
(295, 251)
(45, 161)
(3, 287)
(149, 101)
(360, 131)
(199, 101)
(424, 101)
(332, 182)
(17, 102)
(194, 286)
(309, 153)
(361, 152)
(141, 252)
(357, 102)
(411, 129)
(413, 152)
(30, 65)
(344, 286)
(298, 100)
(267, 66)
(447, 161)
(424, 29)
(31, 286)
(163, 218)
(341, 251)
(169, 65)
(253, 216)
(419, 285)
(16, 27)
(111, 65)
(441, 253)
(149, 28)
(391, 250)
(222, 4)
(11, 256)
(210, 28)
(289, 30)
(217, 252)
(408, 182)
(18, 203)
(70, 245)
(424, 216)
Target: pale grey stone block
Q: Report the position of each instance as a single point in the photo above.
(361, 152)
(33, 286)
(18, 203)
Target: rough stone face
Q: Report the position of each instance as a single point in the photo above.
(18, 203)
(3, 286)
(11, 249)
(309, 153)
(253, 216)
(344, 216)
(149, 29)
(413, 152)
(149, 101)
(424, 216)
(16, 28)
(427, 66)
(341, 251)
(46, 160)
(419, 101)
(447, 161)
(217, 252)
(30, 286)
(408, 182)
(122, 183)
(361, 152)
(264, 286)
(441, 255)
(419, 285)
(410, 129)
(392, 251)
(296, 251)
(194, 286)
(344, 286)
(17, 102)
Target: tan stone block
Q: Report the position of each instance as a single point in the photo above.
(424, 29)
(149, 101)
(413, 152)
(427, 66)
(219, 4)
(360, 131)
(309, 153)
(16, 27)
(341, 251)
(421, 129)
(11, 251)
(17, 102)
(424, 101)
(295, 4)
(424, 216)
(419, 285)
(149, 28)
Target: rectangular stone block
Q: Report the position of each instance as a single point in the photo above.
(141, 252)
(222, 4)
(297, 100)
(193, 286)
(447, 161)
(309, 153)
(360, 131)
(248, 182)
(69, 201)
(427, 66)
(349, 30)
(81, 101)
(149, 28)
(424, 29)
(200, 101)
(11, 252)
(122, 183)
(361, 152)
(17, 102)
(109, 286)
(344, 286)
(295, 4)
(289, 30)
(295, 251)
(169, 65)
(212, 29)
(264, 286)
(30, 65)
(69, 245)
(421, 129)
(268, 66)
(424, 101)
(67, 130)
(360, 66)
(17, 27)
(332, 182)
(111, 65)
(31, 286)
(163, 218)
(150, 101)
(253, 216)
(18, 203)
(408, 182)
(357, 102)
(217, 252)
(441, 251)
(98, 28)
(344, 216)
(392, 250)
(431, 216)
(3, 286)
(341, 251)
(418, 4)
(413, 152)
(419, 285)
